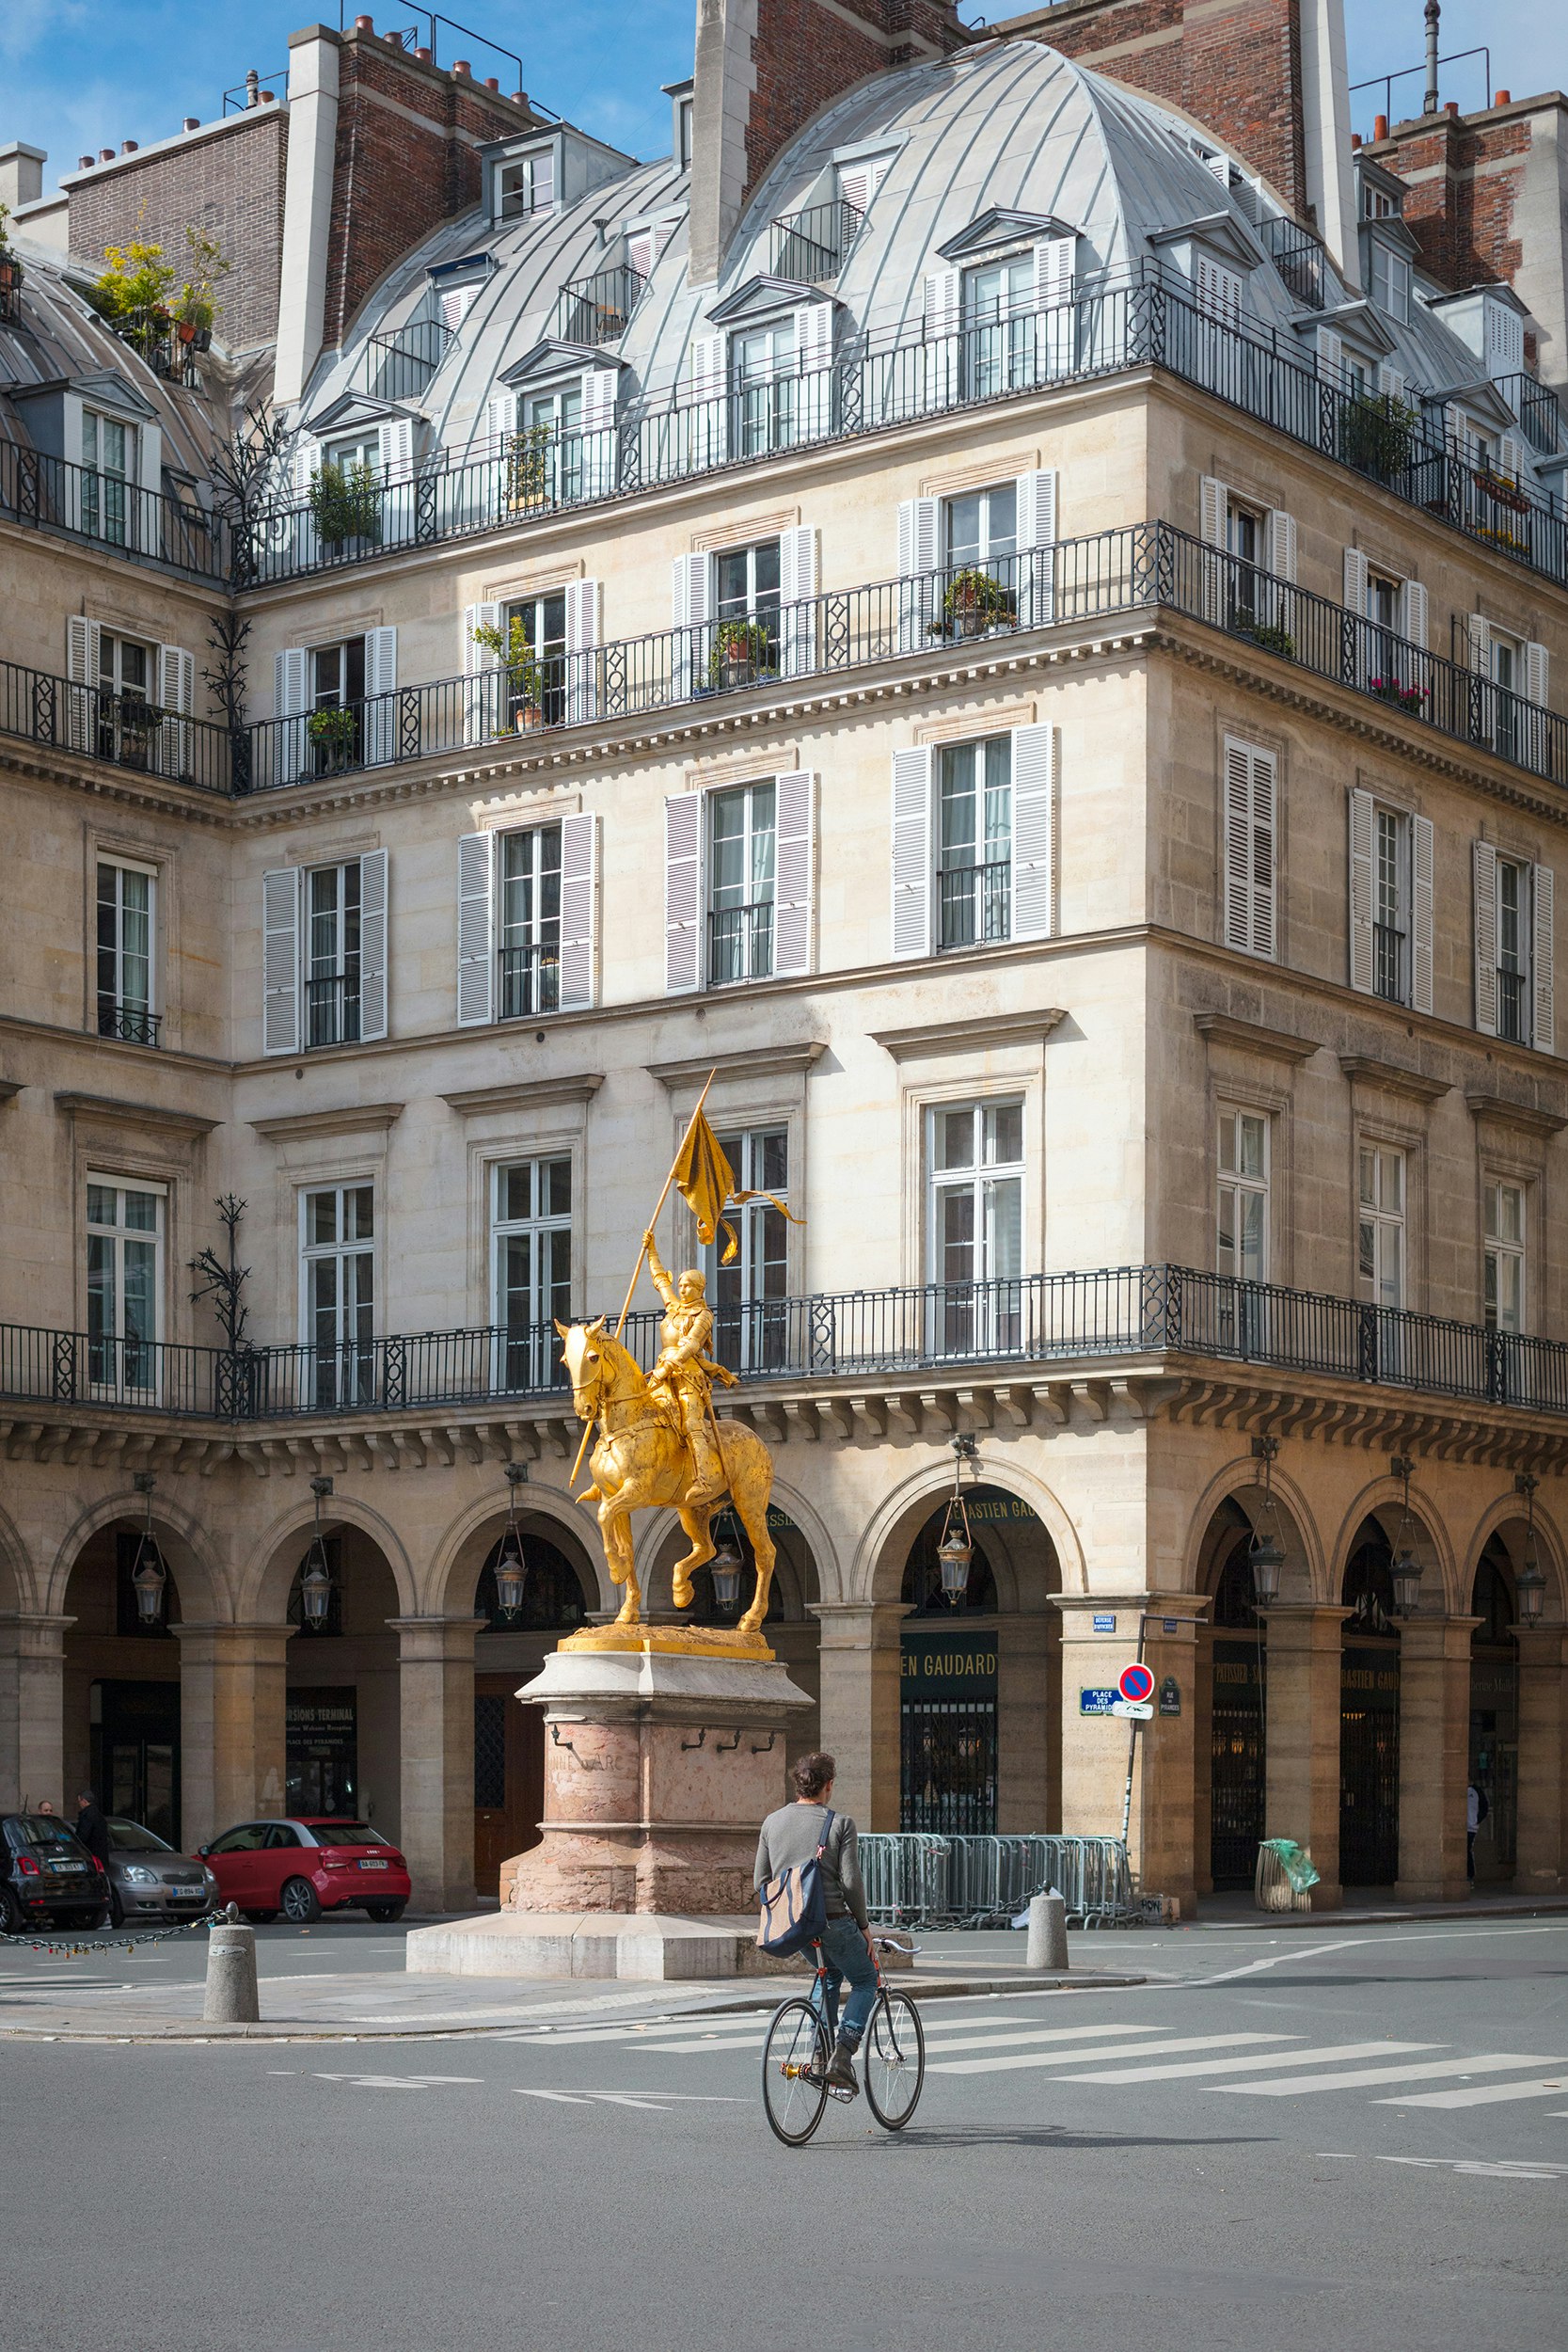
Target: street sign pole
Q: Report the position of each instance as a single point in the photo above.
(1133, 1740)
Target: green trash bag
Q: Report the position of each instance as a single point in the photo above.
(1296, 1863)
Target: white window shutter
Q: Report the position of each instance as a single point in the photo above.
(1511, 456)
(1390, 380)
(583, 601)
(1414, 615)
(1331, 357)
(941, 302)
(1421, 929)
(372, 944)
(919, 543)
(1536, 674)
(689, 578)
(707, 372)
(476, 929)
(1035, 525)
(290, 699)
(639, 253)
(1483, 859)
(1542, 1023)
(1357, 582)
(1281, 544)
(683, 892)
(794, 868)
(381, 711)
(1456, 428)
(1477, 634)
(396, 436)
(911, 851)
(280, 896)
(600, 387)
(307, 463)
(1361, 972)
(500, 420)
(482, 698)
(797, 588)
(1213, 508)
(814, 336)
(177, 699)
(579, 895)
(943, 311)
(83, 641)
(1034, 795)
(1056, 321)
(1251, 827)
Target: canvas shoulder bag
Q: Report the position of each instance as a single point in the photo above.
(795, 1903)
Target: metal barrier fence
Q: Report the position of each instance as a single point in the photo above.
(919, 1879)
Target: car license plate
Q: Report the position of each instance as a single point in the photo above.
(71, 1865)
(184, 1894)
(367, 1863)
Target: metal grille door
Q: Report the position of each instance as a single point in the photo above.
(1236, 1752)
(949, 1765)
(1370, 1767)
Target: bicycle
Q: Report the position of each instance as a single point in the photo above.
(797, 2046)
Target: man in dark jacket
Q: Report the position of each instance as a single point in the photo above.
(93, 1830)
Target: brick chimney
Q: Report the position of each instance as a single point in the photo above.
(764, 68)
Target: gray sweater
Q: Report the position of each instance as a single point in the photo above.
(791, 1836)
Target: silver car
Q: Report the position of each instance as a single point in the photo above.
(149, 1879)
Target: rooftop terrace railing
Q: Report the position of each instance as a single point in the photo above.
(102, 511)
(925, 1331)
(874, 383)
(596, 309)
(399, 365)
(811, 247)
(1146, 567)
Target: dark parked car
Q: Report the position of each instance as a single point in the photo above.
(149, 1879)
(306, 1865)
(47, 1878)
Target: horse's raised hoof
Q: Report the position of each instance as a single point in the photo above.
(680, 1592)
(589, 1494)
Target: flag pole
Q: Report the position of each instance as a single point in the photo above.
(642, 1253)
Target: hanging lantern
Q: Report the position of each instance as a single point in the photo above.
(1529, 1584)
(725, 1568)
(315, 1578)
(1405, 1572)
(511, 1567)
(148, 1577)
(956, 1549)
(1267, 1554)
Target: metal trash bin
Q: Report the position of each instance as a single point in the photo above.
(1285, 1876)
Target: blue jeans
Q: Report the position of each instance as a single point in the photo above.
(844, 1954)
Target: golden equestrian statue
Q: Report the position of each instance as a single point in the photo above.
(659, 1443)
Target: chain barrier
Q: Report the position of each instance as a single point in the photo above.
(115, 1943)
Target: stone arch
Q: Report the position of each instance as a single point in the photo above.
(1506, 1517)
(461, 1552)
(18, 1579)
(1383, 1499)
(180, 1538)
(901, 1513)
(1241, 1483)
(269, 1571)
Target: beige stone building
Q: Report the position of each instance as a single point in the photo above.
(1023, 628)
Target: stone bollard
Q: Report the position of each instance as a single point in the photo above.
(1047, 1931)
(231, 1995)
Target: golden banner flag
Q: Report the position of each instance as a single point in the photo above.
(705, 1182)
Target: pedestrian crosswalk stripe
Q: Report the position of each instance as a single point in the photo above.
(1359, 2078)
(1489, 2094)
(1129, 2049)
(954, 2048)
(1256, 2062)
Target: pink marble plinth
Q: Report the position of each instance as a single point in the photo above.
(658, 1769)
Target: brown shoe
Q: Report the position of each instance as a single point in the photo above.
(841, 2067)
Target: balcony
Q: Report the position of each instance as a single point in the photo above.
(133, 1025)
(1150, 567)
(596, 309)
(528, 981)
(398, 366)
(975, 904)
(332, 1009)
(1298, 256)
(114, 516)
(1156, 1313)
(811, 247)
(740, 943)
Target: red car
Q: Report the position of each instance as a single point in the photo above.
(304, 1866)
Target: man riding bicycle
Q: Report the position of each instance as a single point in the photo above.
(789, 1839)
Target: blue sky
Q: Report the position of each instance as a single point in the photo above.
(78, 75)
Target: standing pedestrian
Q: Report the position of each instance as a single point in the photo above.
(789, 1839)
(93, 1830)
(1476, 1810)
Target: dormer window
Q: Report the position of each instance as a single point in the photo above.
(1379, 203)
(525, 186)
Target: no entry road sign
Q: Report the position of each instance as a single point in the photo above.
(1135, 1683)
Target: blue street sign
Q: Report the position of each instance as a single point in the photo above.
(1096, 1701)
(1103, 1624)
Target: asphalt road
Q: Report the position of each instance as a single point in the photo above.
(1231, 2157)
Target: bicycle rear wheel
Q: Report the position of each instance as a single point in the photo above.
(795, 2072)
(894, 2060)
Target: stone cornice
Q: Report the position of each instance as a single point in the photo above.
(974, 1033)
(9, 1089)
(1225, 1029)
(109, 1107)
(342, 1119)
(1529, 1117)
(1394, 1078)
(759, 1061)
(525, 1094)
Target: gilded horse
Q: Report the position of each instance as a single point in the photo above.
(641, 1461)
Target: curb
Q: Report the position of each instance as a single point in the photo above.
(1549, 1906)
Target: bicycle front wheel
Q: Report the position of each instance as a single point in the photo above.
(894, 2060)
(794, 2073)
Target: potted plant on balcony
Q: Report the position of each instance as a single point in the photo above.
(974, 602)
(1270, 638)
(1501, 490)
(1389, 689)
(527, 467)
(1375, 434)
(345, 501)
(742, 652)
(510, 649)
(133, 718)
(332, 737)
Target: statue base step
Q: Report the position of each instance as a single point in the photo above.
(654, 1947)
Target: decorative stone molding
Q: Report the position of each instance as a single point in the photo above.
(525, 1094)
(759, 1061)
(1528, 1117)
(138, 1115)
(974, 1033)
(1394, 1078)
(1225, 1028)
(348, 1119)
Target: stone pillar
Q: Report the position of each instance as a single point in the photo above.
(1542, 1868)
(1100, 1636)
(32, 1709)
(1434, 1758)
(232, 1714)
(861, 1666)
(436, 1662)
(1094, 1748)
(1167, 1778)
(1301, 1736)
(1027, 1706)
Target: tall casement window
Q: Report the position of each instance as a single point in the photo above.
(1517, 670)
(531, 1265)
(1380, 1226)
(1242, 1222)
(1504, 1302)
(975, 1230)
(525, 186)
(323, 957)
(108, 474)
(526, 920)
(1513, 947)
(133, 701)
(1251, 828)
(979, 532)
(125, 1245)
(1390, 902)
(338, 706)
(742, 882)
(749, 1292)
(999, 327)
(126, 897)
(765, 388)
(543, 622)
(975, 849)
(549, 464)
(746, 612)
(978, 562)
(1254, 562)
(974, 842)
(337, 1314)
(746, 595)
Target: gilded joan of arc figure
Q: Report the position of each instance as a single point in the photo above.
(683, 1377)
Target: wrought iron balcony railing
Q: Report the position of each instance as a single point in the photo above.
(1298, 256)
(133, 1024)
(1153, 1312)
(596, 309)
(530, 980)
(1144, 568)
(880, 380)
(811, 247)
(101, 510)
(740, 943)
(399, 365)
(975, 903)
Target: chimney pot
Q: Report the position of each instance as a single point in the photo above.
(1503, 97)
(1380, 127)
(268, 96)
(128, 147)
(1354, 140)
(364, 23)
(83, 163)
(1451, 107)
(423, 55)
(491, 82)
(519, 97)
(193, 122)
(106, 154)
(461, 66)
